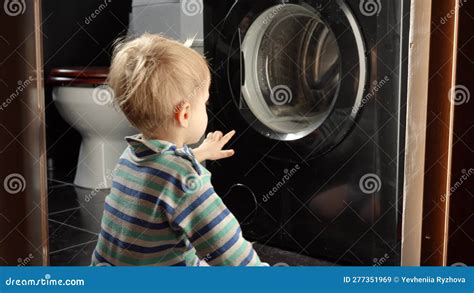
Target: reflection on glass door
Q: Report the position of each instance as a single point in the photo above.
(292, 70)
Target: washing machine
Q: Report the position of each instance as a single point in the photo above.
(316, 91)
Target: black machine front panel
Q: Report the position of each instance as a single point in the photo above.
(316, 92)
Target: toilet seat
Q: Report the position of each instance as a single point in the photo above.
(85, 104)
(78, 76)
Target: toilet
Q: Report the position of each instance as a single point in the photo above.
(85, 102)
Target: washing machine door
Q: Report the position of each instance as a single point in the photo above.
(303, 73)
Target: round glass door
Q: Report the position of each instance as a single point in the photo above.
(302, 70)
(292, 71)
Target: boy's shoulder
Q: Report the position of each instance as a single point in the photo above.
(165, 161)
(190, 174)
(179, 163)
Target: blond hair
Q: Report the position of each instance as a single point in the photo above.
(151, 76)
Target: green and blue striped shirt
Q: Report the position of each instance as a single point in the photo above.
(162, 210)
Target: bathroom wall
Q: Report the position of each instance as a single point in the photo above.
(76, 33)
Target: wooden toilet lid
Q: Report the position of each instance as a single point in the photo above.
(77, 76)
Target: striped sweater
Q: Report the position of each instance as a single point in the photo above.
(162, 210)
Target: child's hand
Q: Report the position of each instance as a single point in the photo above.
(211, 147)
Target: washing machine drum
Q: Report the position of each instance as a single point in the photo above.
(303, 74)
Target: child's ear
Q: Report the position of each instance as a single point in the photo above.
(182, 114)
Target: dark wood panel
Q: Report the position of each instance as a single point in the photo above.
(461, 224)
(23, 209)
(442, 47)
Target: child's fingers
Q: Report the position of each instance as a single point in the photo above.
(227, 137)
(218, 135)
(226, 154)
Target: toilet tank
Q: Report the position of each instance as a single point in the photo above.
(176, 19)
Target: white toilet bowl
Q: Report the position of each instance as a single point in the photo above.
(86, 103)
(102, 127)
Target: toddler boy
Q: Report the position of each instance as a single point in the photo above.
(162, 209)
